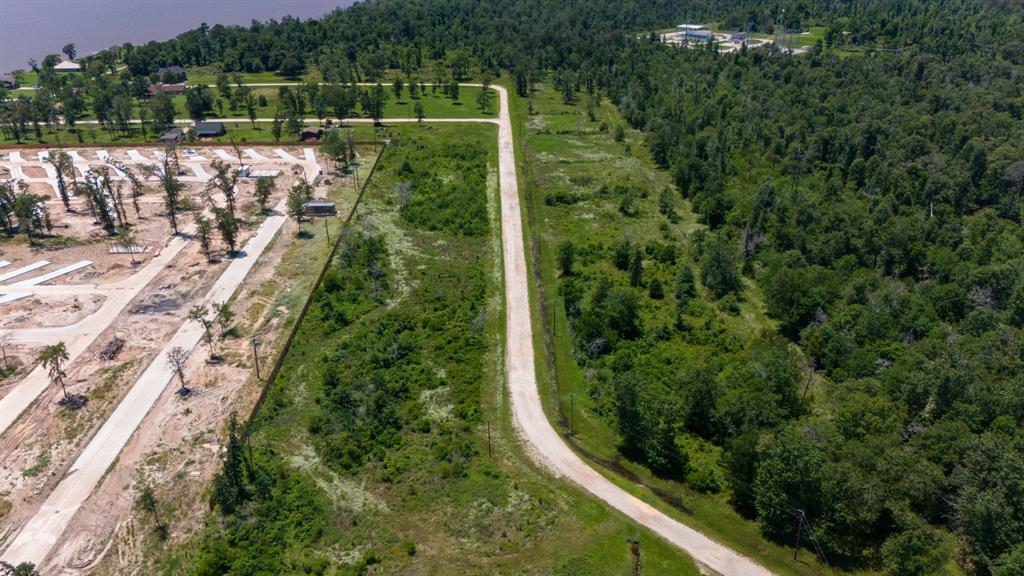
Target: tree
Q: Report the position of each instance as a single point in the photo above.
(126, 238)
(172, 187)
(224, 316)
(291, 67)
(178, 356)
(200, 314)
(418, 109)
(265, 186)
(5, 341)
(483, 100)
(61, 163)
(198, 102)
(69, 51)
(719, 266)
(396, 87)
(566, 257)
(147, 501)
(204, 233)
(453, 90)
(52, 358)
(228, 227)
(336, 147)
(295, 200)
(277, 127)
(225, 179)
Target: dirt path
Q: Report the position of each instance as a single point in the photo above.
(542, 440)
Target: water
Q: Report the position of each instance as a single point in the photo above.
(35, 28)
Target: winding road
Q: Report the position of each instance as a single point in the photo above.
(543, 442)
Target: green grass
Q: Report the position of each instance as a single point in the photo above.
(240, 132)
(435, 105)
(501, 515)
(561, 151)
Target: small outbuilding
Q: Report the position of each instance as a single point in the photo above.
(210, 129)
(161, 88)
(172, 136)
(311, 134)
(319, 209)
(173, 74)
(68, 66)
(9, 81)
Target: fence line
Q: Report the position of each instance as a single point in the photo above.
(279, 361)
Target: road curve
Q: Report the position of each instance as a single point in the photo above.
(543, 442)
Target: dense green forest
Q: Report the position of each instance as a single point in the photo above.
(873, 201)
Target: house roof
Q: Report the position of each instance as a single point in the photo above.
(172, 134)
(68, 65)
(159, 87)
(691, 27)
(172, 69)
(209, 128)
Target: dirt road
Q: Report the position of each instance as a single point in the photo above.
(542, 440)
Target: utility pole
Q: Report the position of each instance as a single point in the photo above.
(799, 531)
(256, 358)
(571, 410)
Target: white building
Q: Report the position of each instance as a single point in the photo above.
(68, 66)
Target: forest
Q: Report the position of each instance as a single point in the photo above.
(871, 198)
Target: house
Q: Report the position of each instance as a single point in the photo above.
(173, 136)
(176, 72)
(699, 35)
(68, 66)
(160, 87)
(8, 81)
(319, 209)
(311, 134)
(210, 129)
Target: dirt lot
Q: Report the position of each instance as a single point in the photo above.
(176, 447)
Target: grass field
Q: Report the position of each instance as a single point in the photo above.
(435, 105)
(564, 158)
(452, 491)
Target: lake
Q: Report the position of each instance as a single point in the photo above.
(35, 28)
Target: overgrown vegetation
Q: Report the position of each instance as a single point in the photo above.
(374, 447)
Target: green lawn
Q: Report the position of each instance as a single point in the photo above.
(564, 155)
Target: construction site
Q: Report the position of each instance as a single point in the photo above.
(159, 328)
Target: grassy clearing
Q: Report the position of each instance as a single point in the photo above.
(568, 163)
(441, 486)
(435, 105)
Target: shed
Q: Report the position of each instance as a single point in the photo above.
(68, 66)
(319, 209)
(160, 87)
(210, 129)
(172, 136)
(311, 134)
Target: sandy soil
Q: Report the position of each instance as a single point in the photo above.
(36, 451)
(49, 310)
